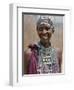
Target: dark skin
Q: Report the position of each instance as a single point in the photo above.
(45, 33)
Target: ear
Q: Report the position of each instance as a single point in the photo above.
(53, 30)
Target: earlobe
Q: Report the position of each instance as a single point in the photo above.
(52, 31)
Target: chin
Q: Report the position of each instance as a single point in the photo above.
(45, 41)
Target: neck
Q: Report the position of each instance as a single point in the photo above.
(46, 45)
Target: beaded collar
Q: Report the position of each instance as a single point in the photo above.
(47, 58)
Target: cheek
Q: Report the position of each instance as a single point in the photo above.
(39, 34)
(49, 35)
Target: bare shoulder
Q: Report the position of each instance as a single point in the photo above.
(27, 54)
(27, 51)
(59, 51)
(59, 56)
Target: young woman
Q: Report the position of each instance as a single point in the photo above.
(42, 57)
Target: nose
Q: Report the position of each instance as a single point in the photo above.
(44, 31)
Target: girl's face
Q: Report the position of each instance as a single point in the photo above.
(45, 33)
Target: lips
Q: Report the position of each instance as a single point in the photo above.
(45, 36)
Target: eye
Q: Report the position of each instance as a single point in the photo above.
(41, 29)
(47, 28)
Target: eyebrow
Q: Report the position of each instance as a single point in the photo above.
(45, 26)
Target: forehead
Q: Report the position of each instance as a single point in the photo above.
(43, 24)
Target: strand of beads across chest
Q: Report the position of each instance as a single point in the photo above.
(45, 55)
(46, 58)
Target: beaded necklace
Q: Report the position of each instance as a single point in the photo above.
(47, 59)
